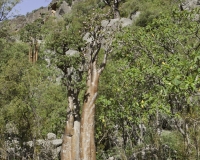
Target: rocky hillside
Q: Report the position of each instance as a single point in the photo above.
(142, 59)
(54, 9)
(59, 8)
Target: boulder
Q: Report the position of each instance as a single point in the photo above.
(51, 136)
(36, 14)
(18, 22)
(87, 38)
(54, 1)
(111, 25)
(125, 22)
(30, 143)
(40, 142)
(63, 9)
(190, 4)
(71, 52)
(56, 142)
(111, 158)
(115, 24)
(135, 15)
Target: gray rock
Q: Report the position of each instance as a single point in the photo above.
(40, 142)
(15, 142)
(51, 136)
(44, 12)
(125, 22)
(61, 10)
(17, 23)
(56, 142)
(135, 15)
(58, 149)
(111, 25)
(31, 17)
(87, 38)
(50, 147)
(72, 52)
(30, 143)
(54, 1)
(115, 24)
(64, 8)
(190, 4)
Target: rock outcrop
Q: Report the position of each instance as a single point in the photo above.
(48, 148)
(57, 9)
(53, 9)
(190, 4)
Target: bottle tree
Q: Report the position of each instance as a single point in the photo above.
(78, 139)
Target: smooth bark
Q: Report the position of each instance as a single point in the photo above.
(84, 148)
(88, 150)
(33, 51)
(70, 145)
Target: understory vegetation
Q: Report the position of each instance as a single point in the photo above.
(148, 94)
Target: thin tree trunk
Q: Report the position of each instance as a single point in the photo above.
(196, 139)
(33, 51)
(187, 139)
(30, 53)
(70, 145)
(185, 135)
(116, 9)
(36, 51)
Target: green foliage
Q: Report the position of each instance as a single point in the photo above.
(145, 18)
(172, 139)
(149, 9)
(32, 30)
(4, 33)
(129, 7)
(29, 97)
(10, 50)
(31, 101)
(154, 75)
(63, 35)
